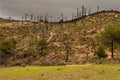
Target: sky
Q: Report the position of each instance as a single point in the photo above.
(17, 8)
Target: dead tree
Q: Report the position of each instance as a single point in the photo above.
(65, 18)
(46, 19)
(31, 17)
(73, 16)
(38, 18)
(83, 10)
(41, 17)
(89, 11)
(98, 9)
(67, 46)
(34, 19)
(62, 17)
(51, 19)
(0, 11)
(77, 12)
(9, 18)
(22, 18)
(26, 16)
(22, 21)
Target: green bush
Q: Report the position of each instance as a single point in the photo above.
(7, 47)
(42, 45)
(100, 52)
(42, 42)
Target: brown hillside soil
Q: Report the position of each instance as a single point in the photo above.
(81, 36)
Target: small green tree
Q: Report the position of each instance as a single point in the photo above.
(110, 36)
(42, 45)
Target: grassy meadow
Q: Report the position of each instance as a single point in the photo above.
(87, 72)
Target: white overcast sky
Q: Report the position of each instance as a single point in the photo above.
(17, 8)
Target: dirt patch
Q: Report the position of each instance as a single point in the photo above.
(80, 65)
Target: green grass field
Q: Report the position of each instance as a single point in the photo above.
(93, 72)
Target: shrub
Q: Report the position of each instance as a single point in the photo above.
(7, 47)
(110, 37)
(42, 44)
(100, 52)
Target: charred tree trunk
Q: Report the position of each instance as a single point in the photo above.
(22, 21)
(112, 49)
(77, 12)
(89, 10)
(72, 16)
(98, 9)
(34, 19)
(26, 16)
(38, 18)
(61, 20)
(82, 10)
(67, 51)
(85, 11)
(46, 18)
(31, 17)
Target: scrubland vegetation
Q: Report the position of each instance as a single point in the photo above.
(92, 39)
(72, 49)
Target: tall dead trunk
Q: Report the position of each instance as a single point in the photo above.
(112, 49)
(89, 10)
(82, 10)
(98, 9)
(72, 16)
(77, 12)
(67, 51)
(62, 17)
(26, 16)
(31, 17)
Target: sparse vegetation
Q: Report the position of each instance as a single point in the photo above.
(42, 46)
(32, 38)
(110, 37)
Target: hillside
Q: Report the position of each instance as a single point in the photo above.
(79, 35)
